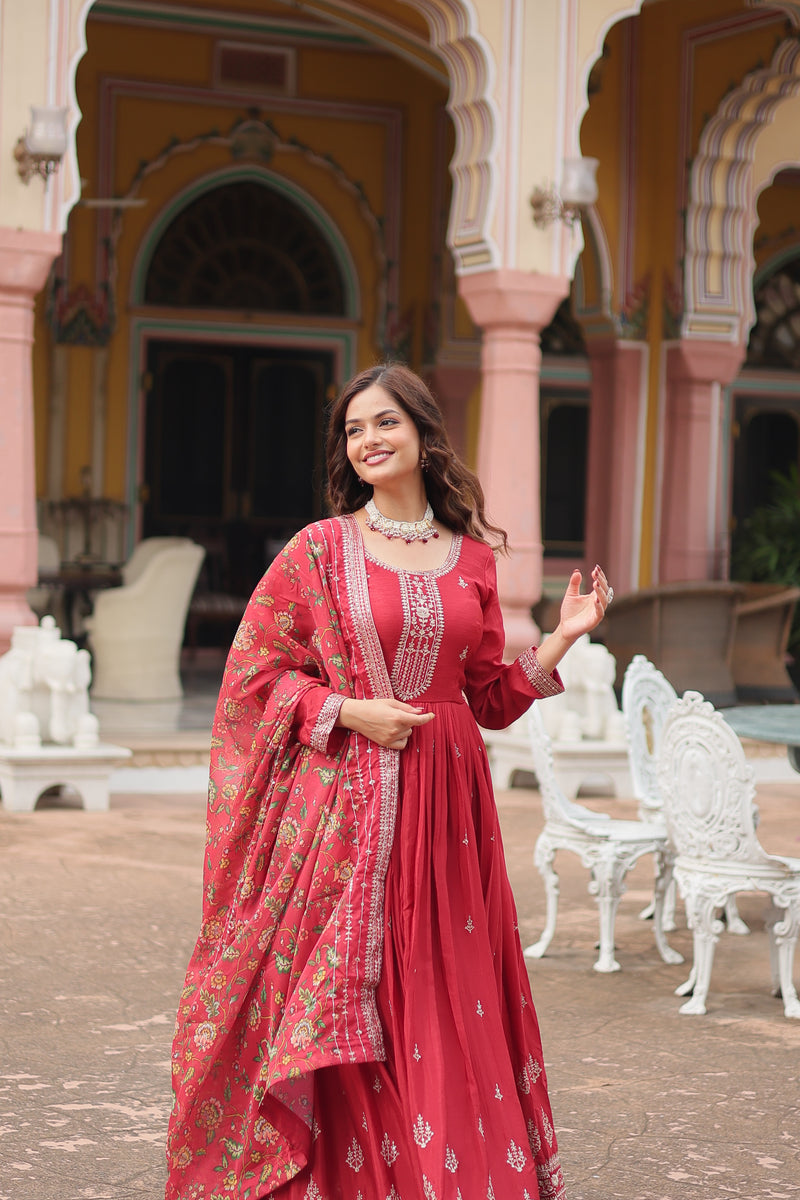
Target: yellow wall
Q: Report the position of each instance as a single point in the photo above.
(143, 125)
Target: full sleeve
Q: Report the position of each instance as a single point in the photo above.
(499, 693)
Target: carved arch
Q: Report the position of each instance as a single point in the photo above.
(474, 168)
(721, 217)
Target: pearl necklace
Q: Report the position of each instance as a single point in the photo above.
(409, 531)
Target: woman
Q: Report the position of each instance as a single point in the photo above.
(357, 1020)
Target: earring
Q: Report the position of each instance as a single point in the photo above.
(423, 462)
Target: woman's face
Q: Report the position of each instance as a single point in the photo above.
(382, 441)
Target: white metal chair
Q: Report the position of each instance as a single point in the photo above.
(607, 846)
(708, 791)
(647, 697)
(135, 632)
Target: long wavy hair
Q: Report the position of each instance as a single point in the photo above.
(454, 491)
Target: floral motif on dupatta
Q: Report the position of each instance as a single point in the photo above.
(282, 979)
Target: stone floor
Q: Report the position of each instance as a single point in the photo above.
(98, 912)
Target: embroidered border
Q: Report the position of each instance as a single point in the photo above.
(453, 555)
(326, 719)
(550, 1179)
(388, 763)
(537, 677)
(421, 639)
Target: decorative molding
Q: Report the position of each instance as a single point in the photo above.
(721, 216)
(790, 7)
(80, 317)
(693, 38)
(257, 171)
(215, 21)
(633, 316)
(474, 168)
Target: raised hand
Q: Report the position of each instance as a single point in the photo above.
(580, 614)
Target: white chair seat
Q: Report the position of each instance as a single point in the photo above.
(607, 846)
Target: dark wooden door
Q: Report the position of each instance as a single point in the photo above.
(234, 451)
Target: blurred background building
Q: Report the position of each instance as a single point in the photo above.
(256, 198)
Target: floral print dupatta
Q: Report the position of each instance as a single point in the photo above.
(300, 824)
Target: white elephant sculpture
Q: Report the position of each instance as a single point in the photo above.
(44, 690)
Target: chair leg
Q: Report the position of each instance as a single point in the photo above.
(668, 912)
(733, 921)
(664, 885)
(783, 925)
(543, 856)
(607, 886)
(706, 929)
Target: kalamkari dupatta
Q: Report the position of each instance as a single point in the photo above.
(282, 979)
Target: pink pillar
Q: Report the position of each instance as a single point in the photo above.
(452, 385)
(613, 503)
(512, 307)
(25, 259)
(694, 523)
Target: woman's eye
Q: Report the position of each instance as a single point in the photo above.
(353, 429)
(388, 421)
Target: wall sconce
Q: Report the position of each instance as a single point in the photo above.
(578, 192)
(40, 150)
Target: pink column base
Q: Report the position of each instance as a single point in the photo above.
(25, 260)
(512, 307)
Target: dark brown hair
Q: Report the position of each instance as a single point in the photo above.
(454, 491)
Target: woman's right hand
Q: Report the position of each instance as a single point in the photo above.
(387, 722)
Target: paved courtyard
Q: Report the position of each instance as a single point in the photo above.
(98, 913)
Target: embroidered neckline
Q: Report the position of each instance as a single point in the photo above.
(453, 555)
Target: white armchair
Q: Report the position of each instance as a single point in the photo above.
(708, 792)
(136, 631)
(647, 697)
(143, 552)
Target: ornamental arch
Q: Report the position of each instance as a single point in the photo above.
(741, 149)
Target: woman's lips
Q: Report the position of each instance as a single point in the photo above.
(371, 460)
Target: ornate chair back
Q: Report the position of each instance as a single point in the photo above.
(707, 787)
(647, 697)
(555, 805)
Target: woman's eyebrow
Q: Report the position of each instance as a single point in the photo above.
(376, 416)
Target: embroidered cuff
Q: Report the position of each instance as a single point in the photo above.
(544, 684)
(326, 719)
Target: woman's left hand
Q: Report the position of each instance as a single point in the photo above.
(581, 613)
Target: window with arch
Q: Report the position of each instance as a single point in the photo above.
(244, 245)
(775, 337)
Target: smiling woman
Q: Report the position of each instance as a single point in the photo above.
(357, 1019)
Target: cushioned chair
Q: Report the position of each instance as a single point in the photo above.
(708, 792)
(136, 631)
(142, 553)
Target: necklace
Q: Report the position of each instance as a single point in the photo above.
(409, 531)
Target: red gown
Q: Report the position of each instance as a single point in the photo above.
(454, 1104)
